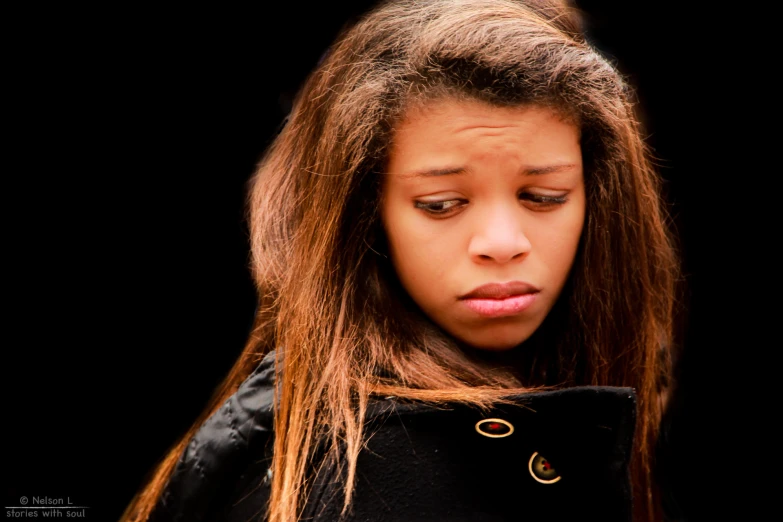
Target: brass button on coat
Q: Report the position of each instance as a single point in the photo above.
(542, 470)
(494, 428)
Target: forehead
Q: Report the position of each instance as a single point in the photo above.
(459, 131)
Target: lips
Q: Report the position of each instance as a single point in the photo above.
(501, 290)
(496, 300)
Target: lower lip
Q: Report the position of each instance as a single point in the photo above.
(500, 307)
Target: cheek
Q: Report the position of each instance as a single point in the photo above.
(558, 242)
(419, 254)
(417, 257)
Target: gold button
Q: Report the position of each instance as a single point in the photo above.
(542, 470)
(494, 428)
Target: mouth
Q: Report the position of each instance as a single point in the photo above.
(501, 290)
(500, 299)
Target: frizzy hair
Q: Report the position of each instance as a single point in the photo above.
(329, 303)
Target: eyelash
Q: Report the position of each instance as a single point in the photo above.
(540, 202)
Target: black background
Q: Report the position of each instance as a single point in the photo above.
(132, 135)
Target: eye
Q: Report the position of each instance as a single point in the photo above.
(439, 207)
(543, 201)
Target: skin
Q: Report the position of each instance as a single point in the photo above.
(503, 201)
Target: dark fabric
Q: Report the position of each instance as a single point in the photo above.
(208, 469)
(423, 463)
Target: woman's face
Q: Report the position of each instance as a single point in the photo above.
(483, 208)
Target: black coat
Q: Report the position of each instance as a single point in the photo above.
(560, 455)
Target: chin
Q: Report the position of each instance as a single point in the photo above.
(495, 343)
(497, 337)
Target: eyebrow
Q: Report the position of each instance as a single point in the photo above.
(527, 171)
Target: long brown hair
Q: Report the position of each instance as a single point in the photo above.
(330, 305)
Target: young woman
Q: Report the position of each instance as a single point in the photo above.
(466, 288)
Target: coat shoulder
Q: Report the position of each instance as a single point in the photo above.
(207, 470)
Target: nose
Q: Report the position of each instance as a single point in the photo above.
(499, 236)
